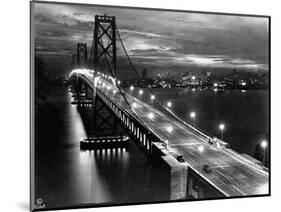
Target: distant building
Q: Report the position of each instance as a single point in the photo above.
(190, 79)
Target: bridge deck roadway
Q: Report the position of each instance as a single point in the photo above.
(230, 175)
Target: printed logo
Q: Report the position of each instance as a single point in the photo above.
(39, 204)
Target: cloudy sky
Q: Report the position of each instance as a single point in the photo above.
(157, 40)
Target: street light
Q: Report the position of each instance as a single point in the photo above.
(193, 115)
(169, 129)
(264, 145)
(134, 105)
(132, 88)
(151, 115)
(169, 104)
(221, 127)
(152, 97)
(141, 92)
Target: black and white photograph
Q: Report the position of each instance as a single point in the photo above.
(135, 105)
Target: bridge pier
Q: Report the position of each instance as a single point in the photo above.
(105, 122)
(176, 172)
(199, 187)
(88, 92)
(184, 182)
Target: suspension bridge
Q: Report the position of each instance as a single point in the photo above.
(199, 166)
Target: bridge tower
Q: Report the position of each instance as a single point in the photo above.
(103, 50)
(82, 56)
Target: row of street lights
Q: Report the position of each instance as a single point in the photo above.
(193, 116)
(152, 96)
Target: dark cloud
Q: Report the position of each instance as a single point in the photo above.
(40, 18)
(163, 39)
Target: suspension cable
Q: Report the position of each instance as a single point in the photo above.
(119, 89)
(156, 99)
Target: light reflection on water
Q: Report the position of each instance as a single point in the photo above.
(90, 181)
(76, 127)
(70, 176)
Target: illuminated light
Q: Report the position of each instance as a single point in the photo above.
(132, 88)
(118, 82)
(221, 126)
(215, 84)
(108, 87)
(134, 105)
(263, 144)
(103, 84)
(192, 114)
(169, 129)
(114, 91)
(215, 89)
(152, 97)
(243, 91)
(169, 104)
(141, 92)
(243, 83)
(200, 148)
(151, 115)
(193, 77)
(193, 89)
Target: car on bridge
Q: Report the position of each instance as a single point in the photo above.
(207, 169)
(180, 158)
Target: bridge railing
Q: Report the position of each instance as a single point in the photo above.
(142, 133)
